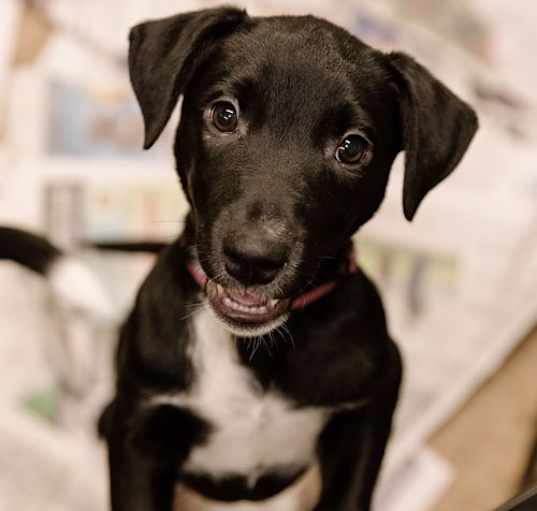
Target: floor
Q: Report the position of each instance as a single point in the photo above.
(488, 441)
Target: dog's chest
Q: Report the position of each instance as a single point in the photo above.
(253, 432)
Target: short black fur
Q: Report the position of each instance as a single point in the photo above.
(300, 85)
(28, 249)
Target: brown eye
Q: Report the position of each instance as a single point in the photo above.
(352, 150)
(224, 116)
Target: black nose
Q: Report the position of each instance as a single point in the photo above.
(254, 259)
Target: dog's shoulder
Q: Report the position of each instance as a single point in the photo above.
(366, 329)
(332, 353)
(152, 340)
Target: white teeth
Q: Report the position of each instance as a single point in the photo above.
(228, 302)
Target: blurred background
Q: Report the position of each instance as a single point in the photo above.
(460, 282)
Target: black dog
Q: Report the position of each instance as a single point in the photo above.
(254, 352)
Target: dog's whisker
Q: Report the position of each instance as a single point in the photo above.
(266, 345)
(219, 277)
(285, 329)
(255, 347)
(281, 333)
(271, 339)
(188, 316)
(193, 308)
(194, 305)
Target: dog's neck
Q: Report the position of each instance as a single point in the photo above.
(332, 268)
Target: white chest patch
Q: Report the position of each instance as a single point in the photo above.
(252, 431)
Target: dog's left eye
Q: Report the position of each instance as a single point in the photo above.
(224, 116)
(353, 150)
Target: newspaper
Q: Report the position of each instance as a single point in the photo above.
(417, 485)
(458, 283)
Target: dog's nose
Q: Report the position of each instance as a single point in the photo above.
(254, 259)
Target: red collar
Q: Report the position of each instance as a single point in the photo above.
(297, 303)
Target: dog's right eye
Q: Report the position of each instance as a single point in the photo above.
(224, 116)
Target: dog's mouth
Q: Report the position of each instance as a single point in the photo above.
(244, 311)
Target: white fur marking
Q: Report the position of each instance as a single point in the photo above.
(253, 431)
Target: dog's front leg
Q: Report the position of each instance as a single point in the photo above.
(146, 448)
(352, 446)
(137, 483)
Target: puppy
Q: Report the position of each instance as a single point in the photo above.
(256, 352)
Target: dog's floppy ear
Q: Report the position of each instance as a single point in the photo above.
(163, 55)
(437, 128)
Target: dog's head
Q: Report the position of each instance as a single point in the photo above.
(289, 127)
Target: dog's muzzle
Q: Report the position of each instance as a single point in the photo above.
(249, 314)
